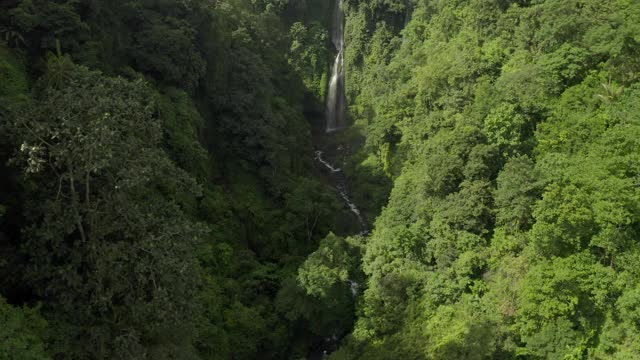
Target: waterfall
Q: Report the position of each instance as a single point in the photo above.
(407, 12)
(336, 109)
(336, 112)
(354, 287)
(336, 98)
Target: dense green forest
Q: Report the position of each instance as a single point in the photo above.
(160, 197)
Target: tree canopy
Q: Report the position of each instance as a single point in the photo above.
(160, 198)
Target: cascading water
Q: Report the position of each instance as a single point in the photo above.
(341, 186)
(336, 109)
(336, 98)
(407, 12)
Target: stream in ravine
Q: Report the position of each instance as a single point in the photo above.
(329, 152)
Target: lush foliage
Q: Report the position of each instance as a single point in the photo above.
(157, 194)
(159, 200)
(509, 130)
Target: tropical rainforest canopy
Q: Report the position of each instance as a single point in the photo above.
(163, 194)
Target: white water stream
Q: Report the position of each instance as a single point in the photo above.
(342, 189)
(336, 98)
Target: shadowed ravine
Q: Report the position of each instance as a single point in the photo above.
(336, 177)
(328, 152)
(335, 116)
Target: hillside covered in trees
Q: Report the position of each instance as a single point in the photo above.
(168, 190)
